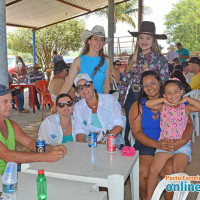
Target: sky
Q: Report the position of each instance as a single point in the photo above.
(159, 9)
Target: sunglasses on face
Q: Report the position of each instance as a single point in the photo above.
(119, 64)
(85, 85)
(62, 104)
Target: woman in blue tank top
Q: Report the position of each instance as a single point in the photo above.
(145, 127)
(92, 61)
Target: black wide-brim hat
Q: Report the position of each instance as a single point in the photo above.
(150, 29)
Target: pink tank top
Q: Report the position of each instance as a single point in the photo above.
(173, 122)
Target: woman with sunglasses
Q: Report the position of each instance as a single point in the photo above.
(116, 73)
(92, 61)
(58, 128)
(96, 112)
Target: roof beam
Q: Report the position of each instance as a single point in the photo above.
(21, 26)
(73, 5)
(123, 1)
(13, 2)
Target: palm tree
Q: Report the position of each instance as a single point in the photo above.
(123, 12)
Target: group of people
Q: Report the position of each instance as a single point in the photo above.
(150, 105)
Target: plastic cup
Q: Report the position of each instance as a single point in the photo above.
(10, 174)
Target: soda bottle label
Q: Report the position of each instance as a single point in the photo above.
(9, 188)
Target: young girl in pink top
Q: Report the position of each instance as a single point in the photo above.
(174, 116)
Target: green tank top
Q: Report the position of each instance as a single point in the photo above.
(10, 143)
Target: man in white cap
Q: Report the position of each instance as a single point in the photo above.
(11, 132)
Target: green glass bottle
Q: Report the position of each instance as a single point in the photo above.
(41, 185)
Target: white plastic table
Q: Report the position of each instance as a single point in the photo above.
(57, 189)
(94, 166)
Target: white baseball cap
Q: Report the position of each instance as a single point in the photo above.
(80, 77)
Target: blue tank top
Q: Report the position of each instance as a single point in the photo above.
(150, 126)
(88, 64)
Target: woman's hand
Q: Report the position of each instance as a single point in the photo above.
(165, 144)
(176, 144)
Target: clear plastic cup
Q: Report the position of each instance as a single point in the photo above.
(9, 182)
(10, 174)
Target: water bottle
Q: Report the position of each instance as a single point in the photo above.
(9, 182)
(41, 185)
(18, 81)
(26, 80)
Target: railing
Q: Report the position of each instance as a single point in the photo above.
(124, 47)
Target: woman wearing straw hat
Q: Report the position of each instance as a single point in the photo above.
(92, 61)
(146, 56)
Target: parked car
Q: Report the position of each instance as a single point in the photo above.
(17, 67)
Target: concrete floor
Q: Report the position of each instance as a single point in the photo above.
(30, 124)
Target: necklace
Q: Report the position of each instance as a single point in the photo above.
(93, 106)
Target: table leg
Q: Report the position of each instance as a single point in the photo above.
(116, 187)
(32, 88)
(134, 177)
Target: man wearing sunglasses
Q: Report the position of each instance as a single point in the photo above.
(96, 112)
(11, 132)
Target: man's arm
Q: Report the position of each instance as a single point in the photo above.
(52, 154)
(185, 57)
(27, 157)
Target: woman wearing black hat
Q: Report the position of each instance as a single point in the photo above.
(146, 56)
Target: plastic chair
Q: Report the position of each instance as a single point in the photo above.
(42, 89)
(178, 195)
(194, 115)
(198, 197)
(16, 103)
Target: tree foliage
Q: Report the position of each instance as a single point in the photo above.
(124, 12)
(62, 37)
(183, 24)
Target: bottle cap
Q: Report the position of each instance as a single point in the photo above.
(10, 174)
(40, 171)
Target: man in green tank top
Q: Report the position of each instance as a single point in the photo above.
(11, 132)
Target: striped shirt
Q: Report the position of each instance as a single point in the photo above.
(36, 77)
